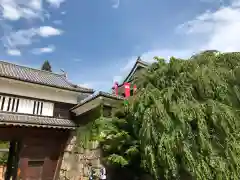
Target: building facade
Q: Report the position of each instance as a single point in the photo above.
(35, 118)
(39, 114)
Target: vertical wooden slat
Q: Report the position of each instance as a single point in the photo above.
(1, 98)
(38, 105)
(5, 104)
(2, 103)
(41, 108)
(9, 104)
(17, 105)
(13, 104)
(34, 107)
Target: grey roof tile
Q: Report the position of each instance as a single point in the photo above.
(35, 121)
(94, 96)
(36, 76)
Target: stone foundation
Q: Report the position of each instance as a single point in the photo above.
(75, 165)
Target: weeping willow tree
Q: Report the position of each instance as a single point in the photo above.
(189, 117)
(183, 123)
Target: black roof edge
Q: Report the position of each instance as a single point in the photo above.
(81, 89)
(138, 61)
(92, 97)
(69, 89)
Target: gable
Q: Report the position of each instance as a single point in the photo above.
(137, 66)
(131, 76)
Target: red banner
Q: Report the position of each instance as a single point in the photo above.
(116, 88)
(127, 89)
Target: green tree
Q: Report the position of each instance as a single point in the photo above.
(189, 114)
(3, 155)
(185, 119)
(46, 66)
(120, 145)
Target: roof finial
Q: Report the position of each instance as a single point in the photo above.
(139, 58)
(64, 73)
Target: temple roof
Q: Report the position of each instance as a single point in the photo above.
(34, 121)
(22, 73)
(94, 101)
(138, 64)
(96, 95)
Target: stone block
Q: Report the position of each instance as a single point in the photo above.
(69, 148)
(96, 163)
(73, 140)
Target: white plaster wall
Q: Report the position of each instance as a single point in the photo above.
(20, 88)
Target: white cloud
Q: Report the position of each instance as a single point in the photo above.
(55, 3)
(19, 38)
(36, 4)
(86, 85)
(46, 31)
(236, 3)
(48, 49)
(25, 37)
(221, 28)
(116, 3)
(149, 58)
(14, 52)
(100, 85)
(163, 53)
(27, 9)
(15, 9)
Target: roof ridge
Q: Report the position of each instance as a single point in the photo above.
(31, 68)
(46, 73)
(139, 60)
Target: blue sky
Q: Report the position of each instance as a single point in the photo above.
(97, 41)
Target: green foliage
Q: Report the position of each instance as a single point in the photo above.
(189, 117)
(3, 155)
(183, 123)
(119, 143)
(120, 148)
(3, 158)
(46, 66)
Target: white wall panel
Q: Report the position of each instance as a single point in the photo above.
(19, 88)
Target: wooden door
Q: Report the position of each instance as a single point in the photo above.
(34, 170)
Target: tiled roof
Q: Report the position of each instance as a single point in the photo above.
(34, 121)
(94, 96)
(36, 76)
(138, 62)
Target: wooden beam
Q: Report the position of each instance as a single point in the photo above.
(16, 160)
(10, 160)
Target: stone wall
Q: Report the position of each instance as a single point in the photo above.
(75, 166)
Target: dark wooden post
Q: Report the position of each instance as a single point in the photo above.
(10, 160)
(16, 160)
